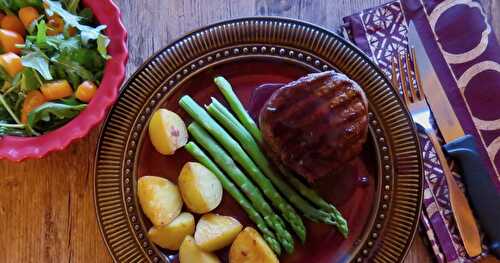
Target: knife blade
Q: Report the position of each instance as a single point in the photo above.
(440, 105)
(482, 193)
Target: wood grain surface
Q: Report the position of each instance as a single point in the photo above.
(47, 206)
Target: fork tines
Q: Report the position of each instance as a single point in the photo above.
(407, 67)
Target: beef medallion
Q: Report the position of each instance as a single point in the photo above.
(316, 124)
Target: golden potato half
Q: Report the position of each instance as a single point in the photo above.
(250, 247)
(201, 190)
(171, 236)
(189, 252)
(214, 231)
(167, 131)
(160, 199)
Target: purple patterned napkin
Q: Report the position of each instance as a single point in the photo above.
(466, 57)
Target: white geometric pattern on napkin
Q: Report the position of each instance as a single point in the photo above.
(386, 34)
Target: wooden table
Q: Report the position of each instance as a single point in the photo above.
(47, 206)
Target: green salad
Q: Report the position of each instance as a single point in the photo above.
(52, 58)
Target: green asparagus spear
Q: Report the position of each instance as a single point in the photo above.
(238, 108)
(314, 198)
(251, 126)
(229, 122)
(268, 235)
(252, 192)
(239, 155)
(305, 191)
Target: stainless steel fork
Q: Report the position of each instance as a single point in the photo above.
(413, 94)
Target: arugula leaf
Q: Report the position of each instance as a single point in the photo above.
(72, 66)
(29, 45)
(91, 33)
(38, 61)
(70, 44)
(87, 32)
(41, 33)
(72, 5)
(59, 71)
(4, 75)
(72, 101)
(9, 6)
(88, 58)
(102, 43)
(51, 115)
(16, 81)
(6, 103)
(87, 16)
(5, 5)
(74, 79)
(59, 42)
(29, 80)
(56, 7)
(17, 4)
(98, 76)
(54, 41)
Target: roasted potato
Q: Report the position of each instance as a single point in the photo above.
(189, 252)
(167, 131)
(171, 236)
(215, 231)
(250, 247)
(200, 188)
(160, 199)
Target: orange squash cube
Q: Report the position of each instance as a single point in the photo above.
(9, 40)
(55, 90)
(86, 91)
(33, 99)
(11, 63)
(28, 15)
(13, 23)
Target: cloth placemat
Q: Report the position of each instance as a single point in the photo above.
(466, 57)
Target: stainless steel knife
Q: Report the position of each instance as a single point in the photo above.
(482, 193)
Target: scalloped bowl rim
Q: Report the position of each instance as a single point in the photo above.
(21, 148)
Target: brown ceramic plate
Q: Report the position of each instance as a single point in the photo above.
(382, 209)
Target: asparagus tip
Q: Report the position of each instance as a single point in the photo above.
(345, 232)
(222, 82)
(215, 100)
(184, 99)
(219, 78)
(302, 237)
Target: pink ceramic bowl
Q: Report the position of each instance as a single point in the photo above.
(20, 148)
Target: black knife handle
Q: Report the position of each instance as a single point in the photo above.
(482, 192)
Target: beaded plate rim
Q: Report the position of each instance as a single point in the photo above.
(399, 197)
